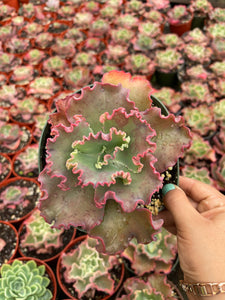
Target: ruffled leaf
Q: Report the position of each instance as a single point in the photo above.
(118, 228)
(139, 88)
(172, 137)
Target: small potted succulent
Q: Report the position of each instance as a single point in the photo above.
(197, 54)
(23, 111)
(44, 40)
(169, 97)
(200, 119)
(22, 75)
(8, 242)
(77, 77)
(83, 272)
(117, 140)
(196, 92)
(155, 287)
(196, 36)
(171, 40)
(218, 87)
(200, 151)
(65, 48)
(84, 58)
(34, 57)
(18, 197)
(83, 20)
(37, 239)
(218, 108)
(99, 28)
(127, 21)
(17, 45)
(157, 256)
(39, 123)
(216, 30)
(198, 73)
(145, 44)
(27, 10)
(66, 12)
(114, 54)
(135, 7)
(201, 10)
(217, 15)
(8, 62)
(154, 15)
(161, 5)
(150, 28)
(30, 30)
(43, 87)
(219, 141)
(140, 64)
(8, 95)
(218, 47)
(6, 32)
(54, 66)
(168, 62)
(180, 19)
(5, 167)
(6, 12)
(218, 173)
(27, 279)
(202, 174)
(14, 138)
(25, 163)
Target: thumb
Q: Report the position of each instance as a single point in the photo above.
(176, 201)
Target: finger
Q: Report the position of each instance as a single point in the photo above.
(180, 207)
(198, 190)
(210, 203)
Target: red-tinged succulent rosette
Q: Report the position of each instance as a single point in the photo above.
(104, 160)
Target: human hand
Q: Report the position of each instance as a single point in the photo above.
(196, 214)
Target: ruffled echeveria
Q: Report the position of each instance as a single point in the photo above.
(104, 159)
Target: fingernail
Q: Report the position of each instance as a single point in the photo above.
(167, 187)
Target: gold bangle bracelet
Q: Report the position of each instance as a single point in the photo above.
(204, 288)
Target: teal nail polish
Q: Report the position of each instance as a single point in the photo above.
(167, 187)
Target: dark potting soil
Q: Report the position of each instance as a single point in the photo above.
(94, 294)
(10, 214)
(5, 167)
(9, 236)
(26, 135)
(65, 237)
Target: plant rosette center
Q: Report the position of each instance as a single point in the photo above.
(103, 166)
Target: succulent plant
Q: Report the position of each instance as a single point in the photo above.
(154, 287)
(34, 57)
(199, 150)
(65, 48)
(178, 14)
(217, 15)
(52, 5)
(32, 29)
(168, 60)
(66, 12)
(201, 174)
(12, 196)
(8, 95)
(218, 173)
(151, 29)
(27, 10)
(83, 19)
(26, 162)
(6, 12)
(219, 112)
(144, 43)
(39, 235)
(6, 32)
(77, 77)
(24, 280)
(58, 27)
(99, 28)
(91, 6)
(198, 72)
(39, 123)
(76, 34)
(127, 21)
(5, 171)
(17, 45)
(87, 269)
(201, 7)
(196, 36)
(22, 75)
(134, 6)
(44, 40)
(8, 62)
(84, 58)
(200, 119)
(114, 54)
(197, 53)
(157, 256)
(171, 40)
(121, 35)
(160, 5)
(108, 13)
(139, 64)
(219, 142)
(24, 110)
(218, 85)
(154, 15)
(43, 87)
(218, 47)
(216, 30)
(218, 68)
(110, 175)
(54, 66)
(196, 92)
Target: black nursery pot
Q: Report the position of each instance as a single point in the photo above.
(169, 79)
(158, 195)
